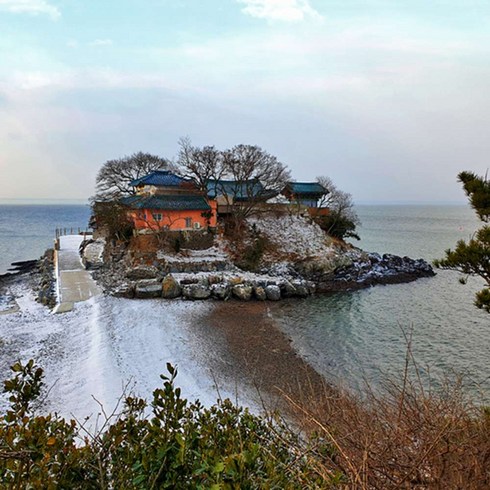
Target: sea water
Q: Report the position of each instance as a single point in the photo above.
(362, 337)
(27, 230)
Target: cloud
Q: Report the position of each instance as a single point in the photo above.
(101, 42)
(32, 7)
(281, 10)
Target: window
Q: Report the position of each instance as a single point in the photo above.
(157, 216)
(188, 222)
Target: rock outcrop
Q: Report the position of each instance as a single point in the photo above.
(92, 253)
(203, 274)
(368, 269)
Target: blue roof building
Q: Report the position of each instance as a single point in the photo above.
(236, 191)
(305, 193)
(161, 178)
(168, 203)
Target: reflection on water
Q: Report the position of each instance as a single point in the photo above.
(359, 336)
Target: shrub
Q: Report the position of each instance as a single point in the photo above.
(180, 445)
(112, 217)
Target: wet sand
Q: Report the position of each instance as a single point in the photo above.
(261, 356)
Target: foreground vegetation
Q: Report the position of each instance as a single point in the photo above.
(406, 439)
(472, 258)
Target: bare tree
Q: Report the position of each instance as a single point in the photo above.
(256, 175)
(202, 164)
(115, 176)
(112, 220)
(342, 219)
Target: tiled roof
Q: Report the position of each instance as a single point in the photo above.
(306, 188)
(173, 203)
(160, 178)
(235, 189)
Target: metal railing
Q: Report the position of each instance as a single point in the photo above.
(71, 231)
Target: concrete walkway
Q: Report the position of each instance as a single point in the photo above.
(74, 282)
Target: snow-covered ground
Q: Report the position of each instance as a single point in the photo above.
(106, 343)
(212, 254)
(294, 235)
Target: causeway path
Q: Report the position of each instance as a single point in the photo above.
(75, 284)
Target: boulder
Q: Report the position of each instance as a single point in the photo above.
(196, 291)
(124, 291)
(242, 292)
(215, 279)
(311, 287)
(259, 292)
(142, 272)
(148, 288)
(273, 292)
(301, 289)
(170, 287)
(93, 253)
(221, 291)
(287, 289)
(188, 280)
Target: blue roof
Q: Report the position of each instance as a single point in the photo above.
(163, 178)
(306, 188)
(170, 203)
(238, 190)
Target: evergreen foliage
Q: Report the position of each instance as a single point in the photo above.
(473, 257)
(181, 445)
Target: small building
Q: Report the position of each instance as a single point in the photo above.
(304, 193)
(164, 200)
(164, 182)
(229, 193)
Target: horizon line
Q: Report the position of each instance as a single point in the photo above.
(362, 202)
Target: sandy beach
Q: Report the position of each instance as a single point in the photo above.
(258, 355)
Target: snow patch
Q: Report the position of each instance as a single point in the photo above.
(294, 234)
(103, 345)
(213, 254)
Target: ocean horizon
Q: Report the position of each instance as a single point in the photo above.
(68, 201)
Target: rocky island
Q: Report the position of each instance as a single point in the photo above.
(277, 257)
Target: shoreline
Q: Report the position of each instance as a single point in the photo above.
(259, 356)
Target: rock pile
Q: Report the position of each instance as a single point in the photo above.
(46, 289)
(219, 287)
(369, 269)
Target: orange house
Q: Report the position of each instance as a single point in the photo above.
(164, 200)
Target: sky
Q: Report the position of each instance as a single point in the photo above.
(388, 98)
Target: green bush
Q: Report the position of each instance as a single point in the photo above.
(252, 254)
(338, 226)
(181, 445)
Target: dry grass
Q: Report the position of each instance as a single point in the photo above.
(406, 438)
